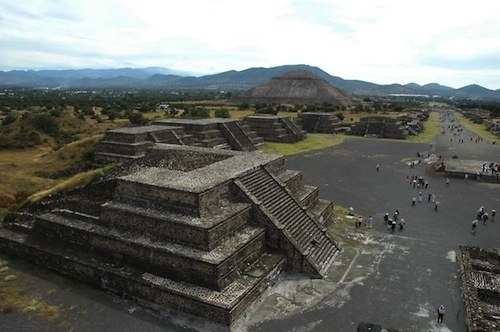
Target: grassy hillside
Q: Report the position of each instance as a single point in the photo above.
(39, 150)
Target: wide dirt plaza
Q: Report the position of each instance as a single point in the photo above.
(396, 280)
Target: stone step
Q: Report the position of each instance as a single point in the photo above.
(291, 178)
(106, 158)
(306, 234)
(212, 142)
(132, 149)
(199, 232)
(287, 211)
(208, 134)
(223, 146)
(295, 221)
(145, 188)
(254, 179)
(20, 227)
(147, 289)
(236, 137)
(327, 254)
(306, 194)
(270, 193)
(213, 269)
(279, 204)
(322, 210)
(76, 215)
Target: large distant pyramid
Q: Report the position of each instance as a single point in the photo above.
(296, 87)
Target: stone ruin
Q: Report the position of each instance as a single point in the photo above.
(297, 88)
(130, 143)
(320, 122)
(483, 117)
(384, 127)
(274, 128)
(480, 283)
(201, 231)
(380, 127)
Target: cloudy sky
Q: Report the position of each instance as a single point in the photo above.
(450, 42)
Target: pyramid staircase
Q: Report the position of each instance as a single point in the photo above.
(319, 122)
(310, 248)
(236, 137)
(293, 129)
(274, 128)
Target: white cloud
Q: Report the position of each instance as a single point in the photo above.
(387, 41)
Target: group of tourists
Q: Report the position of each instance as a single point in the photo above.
(483, 216)
(492, 168)
(395, 221)
(418, 182)
(360, 222)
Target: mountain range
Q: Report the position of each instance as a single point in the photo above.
(164, 78)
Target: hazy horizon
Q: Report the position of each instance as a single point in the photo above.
(450, 43)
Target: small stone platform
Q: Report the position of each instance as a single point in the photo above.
(217, 132)
(459, 168)
(379, 126)
(273, 128)
(130, 143)
(319, 122)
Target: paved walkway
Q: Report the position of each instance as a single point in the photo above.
(397, 280)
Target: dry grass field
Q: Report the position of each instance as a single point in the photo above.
(28, 171)
(431, 130)
(477, 129)
(312, 142)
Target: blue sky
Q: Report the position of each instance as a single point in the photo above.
(454, 43)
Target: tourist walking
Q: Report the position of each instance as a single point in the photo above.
(493, 213)
(359, 222)
(420, 197)
(441, 313)
(401, 223)
(436, 206)
(370, 221)
(377, 167)
(480, 213)
(474, 225)
(447, 182)
(413, 200)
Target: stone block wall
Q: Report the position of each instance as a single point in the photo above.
(162, 232)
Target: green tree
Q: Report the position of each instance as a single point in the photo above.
(10, 118)
(340, 115)
(45, 123)
(137, 118)
(222, 113)
(56, 112)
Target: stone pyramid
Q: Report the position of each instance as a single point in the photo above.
(296, 87)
